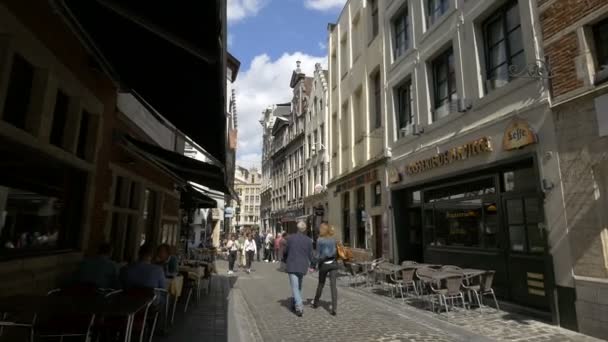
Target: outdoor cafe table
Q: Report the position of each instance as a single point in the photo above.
(118, 305)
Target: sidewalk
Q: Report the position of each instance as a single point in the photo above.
(495, 324)
(206, 320)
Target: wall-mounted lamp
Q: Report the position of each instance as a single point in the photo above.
(547, 185)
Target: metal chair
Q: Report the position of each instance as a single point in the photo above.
(486, 287)
(451, 268)
(148, 313)
(189, 286)
(453, 290)
(406, 281)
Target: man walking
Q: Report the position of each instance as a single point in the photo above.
(298, 258)
(259, 242)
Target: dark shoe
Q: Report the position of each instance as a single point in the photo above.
(333, 313)
(314, 305)
(299, 313)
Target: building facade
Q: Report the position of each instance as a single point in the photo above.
(81, 159)
(248, 185)
(575, 42)
(316, 150)
(357, 195)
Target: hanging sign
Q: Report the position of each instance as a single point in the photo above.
(462, 152)
(393, 175)
(517, 135)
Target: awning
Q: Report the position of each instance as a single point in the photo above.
(169, 54)
(189, 169)
(194, 198)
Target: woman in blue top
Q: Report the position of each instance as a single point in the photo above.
(328, 265)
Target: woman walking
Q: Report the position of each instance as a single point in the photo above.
(328, 265)
(233, 248)
(250, 250)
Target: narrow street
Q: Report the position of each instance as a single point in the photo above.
(257, 309)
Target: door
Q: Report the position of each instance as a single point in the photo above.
(530, 277)
(414, 235)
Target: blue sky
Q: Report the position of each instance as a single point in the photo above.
(268, 37)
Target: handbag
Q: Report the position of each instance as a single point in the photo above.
(343, 252)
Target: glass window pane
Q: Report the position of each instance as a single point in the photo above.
(519, 61)
(536, 239)
(498, 55)
(517, 238)
(458, 223)
(515, 211)
(495, 32)
(490, 225)
(532, 210)
(515, 41)
(512, 17)
(520, 180)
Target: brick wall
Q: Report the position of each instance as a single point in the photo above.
(560, 21)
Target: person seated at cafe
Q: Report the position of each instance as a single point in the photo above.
(99, 270)
(167, 260)
(143, 273)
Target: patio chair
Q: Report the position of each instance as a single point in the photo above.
(408, 263)
(453, 290)
(5, 323)
(148, 314)
(486, 287)
(67, 325)
(406, 281)
(429, 287)
(189, 286)
(356, 272)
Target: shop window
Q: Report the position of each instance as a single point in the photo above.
(519, 180)
(377, 194)
(60, 115)
(444, 84)
(361, 217)
(480, 187)
(504, 47)
(19, 92)
(491, 225)
(458, 223)
(436, 9)
(401, 39)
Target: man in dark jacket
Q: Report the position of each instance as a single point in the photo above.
(298, 258)
(259, 242)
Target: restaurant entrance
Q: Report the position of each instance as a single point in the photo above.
(490, 219)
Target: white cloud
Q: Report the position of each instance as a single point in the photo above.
(230, 40)
(240, 9)
(324, 5)
(322, 46)
(264, 83)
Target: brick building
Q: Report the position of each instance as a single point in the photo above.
(575, 42)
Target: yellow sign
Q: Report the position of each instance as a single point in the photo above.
(517, 135)
(462, 152)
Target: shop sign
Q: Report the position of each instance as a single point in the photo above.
(517, 135)
(393, 175)
(228, 212)
(357, 181)
(462, 152)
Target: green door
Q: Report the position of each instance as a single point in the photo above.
(529, 277)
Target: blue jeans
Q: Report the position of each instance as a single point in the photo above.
(295, 279)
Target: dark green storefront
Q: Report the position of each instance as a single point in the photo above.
(489, 218)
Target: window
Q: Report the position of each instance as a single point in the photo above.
(503, 45)
(355, 40)
(322, 132)
(346, 218)
(405, 115)
(344, 125)
(358, 120)
(83, 134)
(335, 128)
(523, 220)
(309, 146)
(361, 218)
(334, 70)
(377, 194)
(401, 40)
(124, 217)
(322, 170)
(377, 101)
(344, 55)
(375, 19)
(600, 35)
(436, 8)
(314, 141)
(60, 115)
(17, 102)
(444, 83)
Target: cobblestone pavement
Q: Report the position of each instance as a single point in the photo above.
(367, 316)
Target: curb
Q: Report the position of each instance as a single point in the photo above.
(241, 323)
